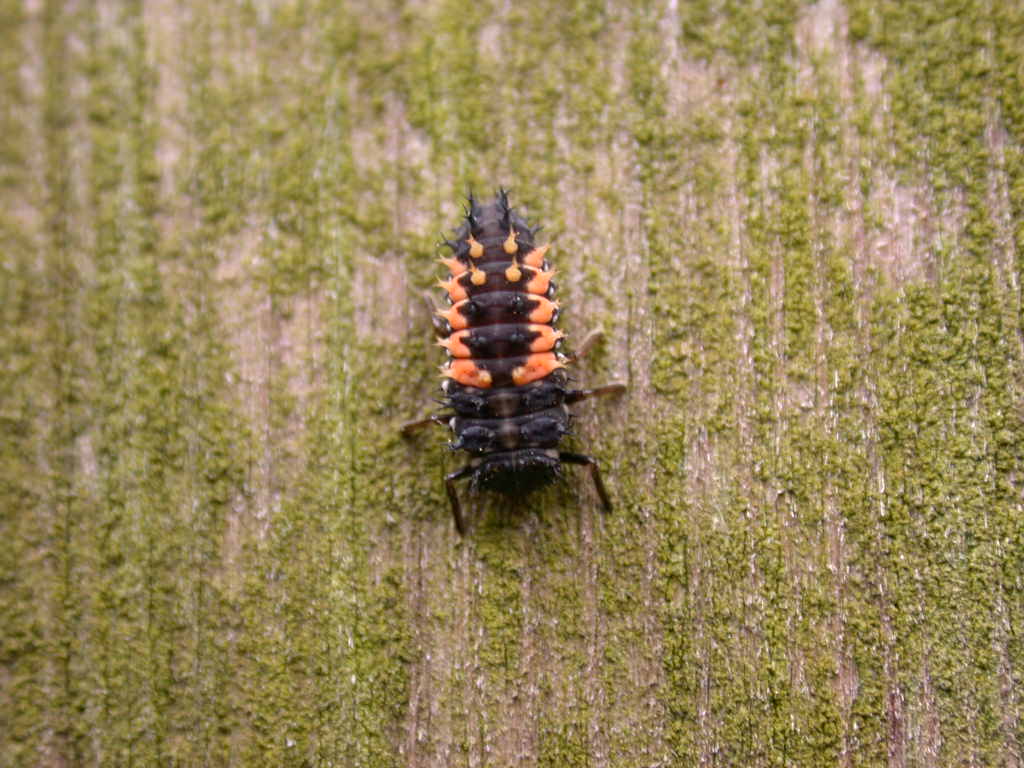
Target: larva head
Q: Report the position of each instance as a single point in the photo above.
(518, 472)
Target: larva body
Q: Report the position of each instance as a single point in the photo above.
(504, 380)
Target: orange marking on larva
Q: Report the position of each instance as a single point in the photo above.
(544, 311)
(454, 288)
(466, 372)
(536, 367)
(511, 246)
(477, 276)
(514, 274)
(454, 317)
(455, 266)
(535, 258)
(540, 282)
(476, 250)
(455, 344)
(546, 339)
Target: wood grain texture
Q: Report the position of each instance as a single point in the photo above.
(800, 226)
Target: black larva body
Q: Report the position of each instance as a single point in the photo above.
(504, 383)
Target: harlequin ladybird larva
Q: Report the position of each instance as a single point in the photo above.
(505, 387)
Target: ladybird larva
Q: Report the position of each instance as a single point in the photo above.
(505, 389)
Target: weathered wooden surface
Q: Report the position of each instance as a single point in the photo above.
(800, 226)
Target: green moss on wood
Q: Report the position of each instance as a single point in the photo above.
(215, 232)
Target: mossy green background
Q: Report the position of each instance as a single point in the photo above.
(801, 227)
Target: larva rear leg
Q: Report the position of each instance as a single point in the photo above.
(449, 484)
(595, 474)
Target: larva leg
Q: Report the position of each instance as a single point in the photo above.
(440, 326)
(411, 427)
(595, 473)
(575, 395)
(449, 483)
(586, 345)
